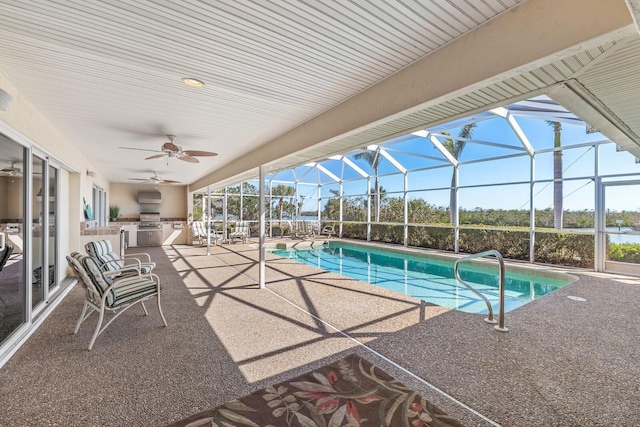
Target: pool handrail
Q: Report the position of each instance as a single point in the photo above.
(489, 319)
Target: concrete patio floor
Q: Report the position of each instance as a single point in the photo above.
(563, 362)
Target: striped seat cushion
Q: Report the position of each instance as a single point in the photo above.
(133, 290)
(91, 273)
(75, 262)
(103, 251)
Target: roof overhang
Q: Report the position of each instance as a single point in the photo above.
(485, 68)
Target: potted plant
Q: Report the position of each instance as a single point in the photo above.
(114, 211)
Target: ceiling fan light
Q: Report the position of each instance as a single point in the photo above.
(193, 82)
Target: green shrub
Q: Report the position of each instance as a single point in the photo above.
(625, 252)
(512, 244)
(431, 237)
(354, 231)
(575, 250)
(387, 233)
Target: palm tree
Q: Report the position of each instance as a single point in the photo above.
(284, 191)
(373, 158)
(557, 174)
(455, 148)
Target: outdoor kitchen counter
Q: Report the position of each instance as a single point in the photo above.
(110, 232)
(99, 231)
(173, 230)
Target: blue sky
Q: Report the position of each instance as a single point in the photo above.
(578, 162)
(432, 184)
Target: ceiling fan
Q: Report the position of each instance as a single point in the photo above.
(154, 179)
(171, 150)
(11, 170)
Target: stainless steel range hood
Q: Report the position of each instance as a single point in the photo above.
(149, 197)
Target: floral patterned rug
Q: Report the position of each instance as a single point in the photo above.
(350, 392)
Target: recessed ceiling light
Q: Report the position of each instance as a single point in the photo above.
(193, 82)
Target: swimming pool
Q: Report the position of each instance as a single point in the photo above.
(429, 277)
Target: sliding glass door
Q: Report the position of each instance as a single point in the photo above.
(38, 238)
(28, 236)
(13, 288)
(51, 207)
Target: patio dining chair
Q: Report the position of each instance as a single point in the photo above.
(199, 232)
(115, 265)
(240, 231)
(306, 229)
(328, 230)
(314, 228)
(115, 295)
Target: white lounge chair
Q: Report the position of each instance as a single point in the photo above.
(199, 232)
(240, 232)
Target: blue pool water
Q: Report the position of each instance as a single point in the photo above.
(428, 278)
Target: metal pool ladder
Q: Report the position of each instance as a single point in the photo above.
(490, 319)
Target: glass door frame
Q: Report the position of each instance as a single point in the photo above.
(30, 312)
(45, 227)
(602, 264)
(32, 318)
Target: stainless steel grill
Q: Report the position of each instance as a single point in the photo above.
(150, 220)
(149, 229)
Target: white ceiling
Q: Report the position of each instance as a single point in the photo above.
(108, 73)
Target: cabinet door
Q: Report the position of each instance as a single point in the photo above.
(143, 238)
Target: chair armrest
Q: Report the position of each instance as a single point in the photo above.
(130, 268)
(137, 264)
(133, 262)
(139, 254)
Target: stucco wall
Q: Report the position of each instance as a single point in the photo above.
(25, 124)
(125, 196)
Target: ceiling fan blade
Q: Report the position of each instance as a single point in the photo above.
(169, 181)
(170, 146)
(138, 179)
(200, 153)
(188, 158)
(140, 149)
(157, 156)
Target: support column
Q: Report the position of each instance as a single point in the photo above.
(456, 222)
(208, 221)
(598, 236)
(224, 215)
(263, 237)
(240, 216)
(340, 218)
(271, 208)
(368, 209)
(319, 203)
(405, 218)
(532, 210)
(296, 211)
